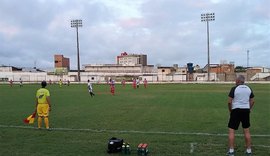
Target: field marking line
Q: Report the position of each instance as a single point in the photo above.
(207, 144)
(264, 146)
(133, 131)
(194, 145)
(210, 144)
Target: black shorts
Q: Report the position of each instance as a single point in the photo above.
(237, 116)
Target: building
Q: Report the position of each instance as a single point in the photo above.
(258, 73)
(126, 67)
(220, 68)
(9, 68)
(61, 62)
(131, 59)
(221, 72)
(165, 73)
(132, 66)
(115, 68)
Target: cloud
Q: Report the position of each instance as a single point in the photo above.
(8, 32)
(168, 31)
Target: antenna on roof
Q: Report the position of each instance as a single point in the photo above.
(35, 64)
(247, 58)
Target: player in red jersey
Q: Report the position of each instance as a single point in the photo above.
(134, 83)
(145, 83)
(123, 82)
(112, 85)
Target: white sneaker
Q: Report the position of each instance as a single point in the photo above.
(230, 153)
(248, 154)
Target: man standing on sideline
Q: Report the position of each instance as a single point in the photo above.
(90, 88)
(43, 105)
(240, 101)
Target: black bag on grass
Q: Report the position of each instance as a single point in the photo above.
(115, 145)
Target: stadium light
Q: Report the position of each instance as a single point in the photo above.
(76, 24)
(206, 18)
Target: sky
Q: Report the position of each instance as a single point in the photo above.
(167, 31)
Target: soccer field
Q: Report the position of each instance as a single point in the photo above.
(174, 119)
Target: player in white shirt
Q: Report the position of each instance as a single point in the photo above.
(138, 82)
(240, 101)
(90, 88)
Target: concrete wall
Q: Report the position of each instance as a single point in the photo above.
(103, 77)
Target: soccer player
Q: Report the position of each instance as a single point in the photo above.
(112, 85)
(134, 83)
(21, 83)
(145, 83)
(138, 82)
(123, 82)
(43, 105)
(240, 101)
(10, 83)
(90, 88)
(60, 83)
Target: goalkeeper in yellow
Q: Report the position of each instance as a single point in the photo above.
(43, 105)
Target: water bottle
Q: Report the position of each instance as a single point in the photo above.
(139, 149)
(128, 150)
(123, 148)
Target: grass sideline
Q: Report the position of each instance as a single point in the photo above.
(174, 119)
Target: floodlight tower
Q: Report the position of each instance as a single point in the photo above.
(247, 64)
(206, 18)
(76, 24)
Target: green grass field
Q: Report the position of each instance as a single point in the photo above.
(174, 119)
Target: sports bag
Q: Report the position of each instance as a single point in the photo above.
(115, 145)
